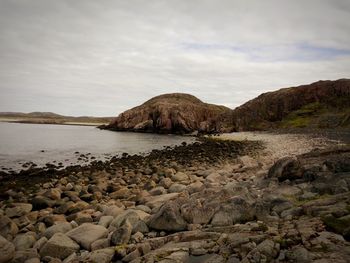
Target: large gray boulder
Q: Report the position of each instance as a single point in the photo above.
(7, 250)
(168, 218)
(59, 246)
(87, 233)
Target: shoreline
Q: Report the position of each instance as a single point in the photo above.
(281, 198)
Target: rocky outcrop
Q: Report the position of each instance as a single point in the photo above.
(323, 104)
(170, 113)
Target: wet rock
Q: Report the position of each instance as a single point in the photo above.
(7, 250)
(59, 246)
(168, 218)
(287, 168)
(41, 202)
(87, 233)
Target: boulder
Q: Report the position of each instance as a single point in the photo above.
(59, 246)
(112, 210)
(177, 188)
(53, 193)
(41, 202)
(61, 227)
(131, 215)
(287, 168)
(18, 209)
(168, 218)
(7, 250)
(104, 255)
(237, 210)
(7, 227)
(122, 234)
(180, 177)
(159, 190)
(24, 241)
(105, 221)
(87, 233)
(25, 256)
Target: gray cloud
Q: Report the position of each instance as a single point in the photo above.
(86, 57)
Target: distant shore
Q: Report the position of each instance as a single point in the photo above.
(50, 121)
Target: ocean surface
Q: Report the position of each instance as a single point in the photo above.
(43, 143)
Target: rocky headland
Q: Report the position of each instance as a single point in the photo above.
(320, 105)
(170, 113)
(253, 197)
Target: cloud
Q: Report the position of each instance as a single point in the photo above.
(102, 57)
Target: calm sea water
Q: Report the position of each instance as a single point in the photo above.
(21, 143)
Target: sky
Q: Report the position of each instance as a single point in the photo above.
(100, 58)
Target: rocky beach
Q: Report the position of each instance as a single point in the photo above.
(244, 197)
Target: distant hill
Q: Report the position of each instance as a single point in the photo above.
(52, 118)
(170, 113)
(323, 104)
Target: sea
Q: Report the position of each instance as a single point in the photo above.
(22, 144)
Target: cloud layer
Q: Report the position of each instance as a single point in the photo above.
(87, 57)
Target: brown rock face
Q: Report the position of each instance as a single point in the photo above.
(170, 113)
(269, 109)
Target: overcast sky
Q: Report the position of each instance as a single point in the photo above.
(99, 58)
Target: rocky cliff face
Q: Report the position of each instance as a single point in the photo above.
(170, 113)
(323, 104)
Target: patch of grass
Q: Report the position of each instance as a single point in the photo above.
(297, 202)
(302, 118)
